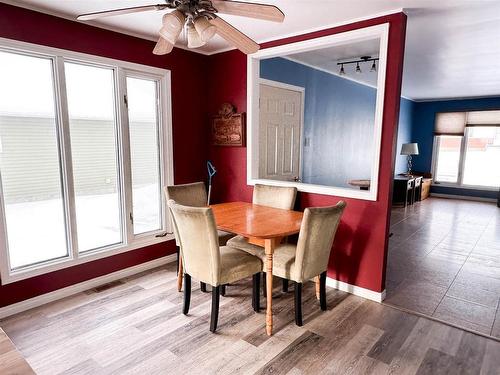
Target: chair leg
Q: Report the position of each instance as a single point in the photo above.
(180, 273)
(264, 289)
(322, 290)
(187, 293)
(178, 251)
(256, 292)
(223, 290)
(215, 308)
(285, 285)
(298, 304)
(203, 287)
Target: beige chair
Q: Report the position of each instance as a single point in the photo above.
(193, 195)
(271, 196)
(208, 262)
(309, 258)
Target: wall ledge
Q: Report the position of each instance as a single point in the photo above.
(43, 299)
(356, 290)
(463, 197)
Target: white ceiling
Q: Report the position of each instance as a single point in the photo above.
(326, 59)
(452, 47)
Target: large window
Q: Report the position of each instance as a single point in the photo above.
(84, 154)
(472, 158)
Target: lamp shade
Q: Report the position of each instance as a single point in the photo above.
(204, 28)
(194, 39)
(172, 26)
(409, 149)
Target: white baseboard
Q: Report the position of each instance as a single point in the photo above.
(83, 286)
(356, 290)
(463, 197)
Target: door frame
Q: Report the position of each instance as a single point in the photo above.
(302, 91)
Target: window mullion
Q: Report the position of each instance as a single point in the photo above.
(66, 159)
(461, 163)
(124, 150)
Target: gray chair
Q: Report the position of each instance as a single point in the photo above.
(271, 196)
(208, 262)
(193, 195)
(309, 258)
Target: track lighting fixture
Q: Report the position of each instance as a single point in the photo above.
(361, 60)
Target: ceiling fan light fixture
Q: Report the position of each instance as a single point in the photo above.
(173, 24)
(163, 47)
(193, 37)
(358, 69)
(374, 67)
(342, 71)
(204, 28)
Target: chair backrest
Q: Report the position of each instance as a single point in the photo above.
(193, 195)
(274, 196)
(316, 236)
(199, 241)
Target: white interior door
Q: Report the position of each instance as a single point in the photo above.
(280, 128)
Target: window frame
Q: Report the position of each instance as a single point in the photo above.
(164, 108)
(461, 164)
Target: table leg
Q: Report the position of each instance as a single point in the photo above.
(269, 249)
(180, 275)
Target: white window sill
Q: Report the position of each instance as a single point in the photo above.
(58, 264)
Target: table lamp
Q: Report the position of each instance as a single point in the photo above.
(409, 149)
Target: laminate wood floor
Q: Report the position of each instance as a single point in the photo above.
(135, 326)
(444, 261)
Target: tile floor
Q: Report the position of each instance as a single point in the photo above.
(444, 261)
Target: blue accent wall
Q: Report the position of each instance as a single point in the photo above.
(339, 118)
(423, 133)
(405, 129)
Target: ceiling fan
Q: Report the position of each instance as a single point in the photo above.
(201, 21)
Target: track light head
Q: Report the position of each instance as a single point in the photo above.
(374, 67)
(358, 69)
(342, 71)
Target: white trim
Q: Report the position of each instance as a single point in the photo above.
(43, 299)
(457, 98)
(163, 77)
(356, 290)
(253, 76)
(463, 197)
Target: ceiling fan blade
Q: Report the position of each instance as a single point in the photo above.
(252, 10)
(234, 36)
(116, 12)
(163, 47)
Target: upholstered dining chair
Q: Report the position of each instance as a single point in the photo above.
(194, 195)
(309, 258)
(272, 196)
(208, 262)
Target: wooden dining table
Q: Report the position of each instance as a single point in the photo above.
(262, 226)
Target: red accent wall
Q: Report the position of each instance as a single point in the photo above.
(188, 117)
(359, 252)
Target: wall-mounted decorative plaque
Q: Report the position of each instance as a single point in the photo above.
(228, 127)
